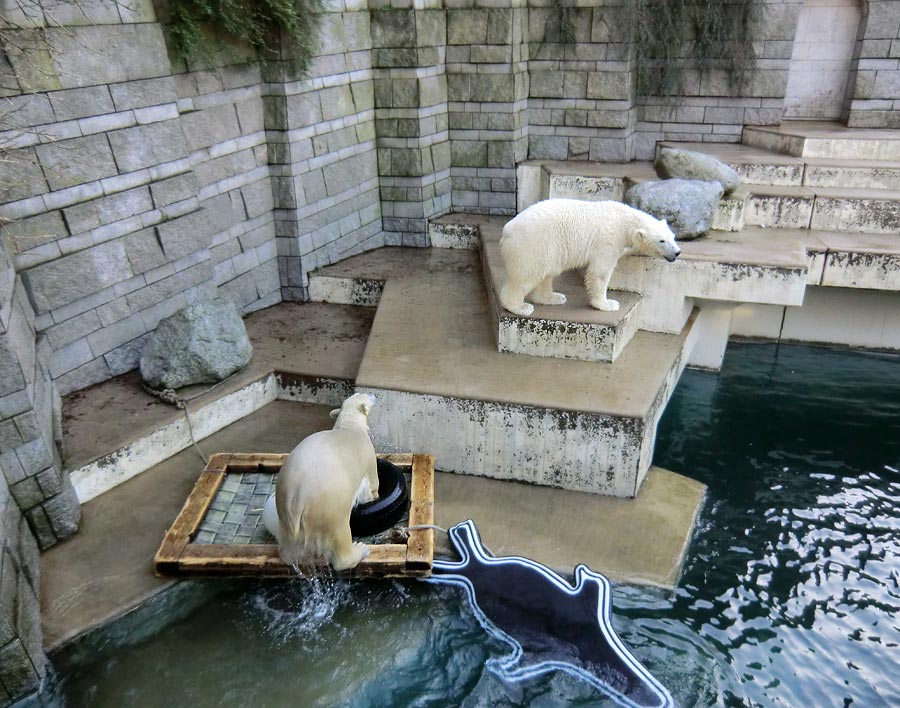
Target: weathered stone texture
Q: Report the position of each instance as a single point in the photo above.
(687, 205)
(875, 75)
(687, 164)
(21, 653)
(72, 277)
(200, 344)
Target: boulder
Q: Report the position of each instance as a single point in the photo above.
(202, 343)
(688, 205)
(672, 163)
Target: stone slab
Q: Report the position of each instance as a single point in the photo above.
(826, 139)
(640, 540)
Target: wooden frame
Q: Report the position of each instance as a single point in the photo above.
(177, 556)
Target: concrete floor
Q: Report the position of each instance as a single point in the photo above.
(106, 569)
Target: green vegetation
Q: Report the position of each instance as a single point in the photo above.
(677, 36)
(276, 29)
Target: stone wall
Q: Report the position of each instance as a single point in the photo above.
(322, 150)
(581, 98)
(145, 187)
(875, 74)
(30, 430)
(710, 105)
(21, 652)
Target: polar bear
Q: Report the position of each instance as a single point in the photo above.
(321, 481)
(556, 235)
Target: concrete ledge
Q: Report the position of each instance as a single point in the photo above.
(579, 425)
(826, 140)
(307, 353)
(579, 451)
(571, 331)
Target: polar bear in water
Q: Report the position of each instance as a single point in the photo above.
(557, 235)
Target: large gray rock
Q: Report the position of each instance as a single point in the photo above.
(202, 343)
(688, 205)
(673, 163)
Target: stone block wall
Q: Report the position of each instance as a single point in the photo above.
(146, 187)
(487, 103)
(709, 106)
(30, 425)
(21, 652)
(322, 150)
(411, 119)
(875, 74)
(581, 103)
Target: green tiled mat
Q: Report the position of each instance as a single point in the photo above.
(235, 514)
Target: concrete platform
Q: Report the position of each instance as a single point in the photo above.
(315, 347)
(580, 425)
(641, 540)
(105, 570)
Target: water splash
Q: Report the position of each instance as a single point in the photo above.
(310, 603)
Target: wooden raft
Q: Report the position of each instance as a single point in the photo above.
(178, 556)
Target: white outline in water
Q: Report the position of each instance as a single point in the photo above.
(583, 574)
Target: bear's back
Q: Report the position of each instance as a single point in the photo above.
(567, 220)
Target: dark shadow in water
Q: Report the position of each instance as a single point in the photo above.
(550, 625)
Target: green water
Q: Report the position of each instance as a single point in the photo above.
(790, 594)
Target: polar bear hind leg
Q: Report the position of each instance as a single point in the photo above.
(344, 553)
(596, 280)
(543, 294)
(512, 297)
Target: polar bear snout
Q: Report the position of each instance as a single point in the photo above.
(672, 256)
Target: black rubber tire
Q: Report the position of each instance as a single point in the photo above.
(384, 512)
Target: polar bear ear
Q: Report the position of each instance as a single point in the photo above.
(641, 233)
(365, 406)
(335, 413)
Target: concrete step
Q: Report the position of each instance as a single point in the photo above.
(573, 330)
(780, 206)
(859, 261)
(359, 280)
(432, 360)
(763, 167)
(826, 140)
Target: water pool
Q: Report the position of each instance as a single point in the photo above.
(790, 595)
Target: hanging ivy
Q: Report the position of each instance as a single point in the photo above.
(676, 36)
(201, 28)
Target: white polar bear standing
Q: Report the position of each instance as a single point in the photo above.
(556, 235)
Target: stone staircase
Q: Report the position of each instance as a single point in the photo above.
(570, 396)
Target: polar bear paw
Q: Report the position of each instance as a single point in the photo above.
(524, 309)
(605, 304)
(551, 299)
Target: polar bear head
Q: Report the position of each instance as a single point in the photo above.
(354, 411)
(655, 238)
